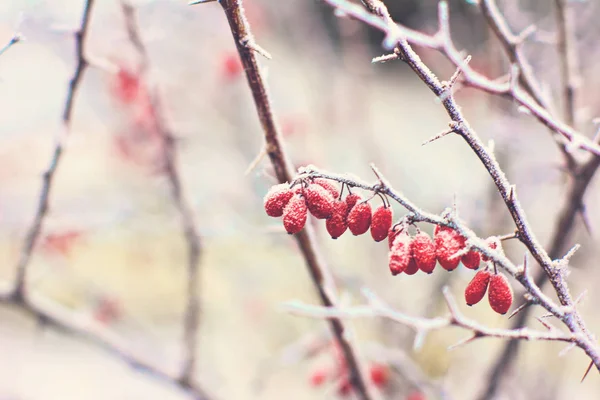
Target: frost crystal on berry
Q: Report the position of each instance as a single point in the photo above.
(277, 198)
(336, 225)
(476, 289)
(319, 201)
(381, 222)
(294, 214)
(359, 218)
(423, 251)
(329, 186)
(472, 259)
(399, 256)
(500, 294)
(447, 244)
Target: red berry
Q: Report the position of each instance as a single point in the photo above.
(318, 377)
(381, 222)
(336, 225)
(231, 66)
(277, 198)
(344, 387)
(351, 200)
(500, 294)
(359, 218)
(440, 228)
(399, 256)
(394, 231)
(471, 260)
(423, 251)
(294, 214)
(412, 267)
(447, 244)
(319, 201)
(379, 374)
(476, 289)
(329, 185)
(494, 244)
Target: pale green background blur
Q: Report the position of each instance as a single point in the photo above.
(339, 112)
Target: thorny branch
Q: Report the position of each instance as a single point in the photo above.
(567, 59)
(320, 275)
(396, 38)
(192, 237)
(376, 307)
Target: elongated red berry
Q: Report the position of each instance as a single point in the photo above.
(447, 244)
(394, 231)
(412, 267)
(399, 256)
(329, 186)
(476, 289)
(472, 259)
(277, 198)
(336, 225)
(351, 200)
(294, 214)
(319, 201)
(423, 251)
(500, 294)
(359, 218)
(440, 228)
(381, 222)
(494, 244)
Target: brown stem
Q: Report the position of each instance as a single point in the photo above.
(34, 230)
(568, 59)
(321, 277)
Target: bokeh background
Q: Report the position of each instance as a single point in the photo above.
(112, 248)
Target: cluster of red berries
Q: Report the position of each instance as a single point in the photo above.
(379, 374)
(408, 254)
(322, 199)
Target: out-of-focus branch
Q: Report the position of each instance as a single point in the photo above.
(247, 50)
(83, 325)
(376, 307)
(459, 125)
(16, 38)
(182, 204)
(34, 230)
(568, 60)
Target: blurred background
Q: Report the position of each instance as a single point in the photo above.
(112, 248)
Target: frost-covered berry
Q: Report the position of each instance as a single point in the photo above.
(277, 198)
(381, 222)
(399, 256)
(359, 218)
(423, 251)
(318, 201)
(471, 260)
(494, 244)
(500, 294)
(336, 225)
(351, 200)
(447, 244)
(329, 186)
(294, 214)
(476, 289)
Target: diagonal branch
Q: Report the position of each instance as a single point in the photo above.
(567, 58)
(322, 280)
(34, 230)
(182, 204)
(556, 273)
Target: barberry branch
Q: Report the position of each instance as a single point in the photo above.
(567, 59)
(442, 41)
(84, 326)
(41, 211)
(321, 277)
(395, 38)
(182, 204)
(376, 307)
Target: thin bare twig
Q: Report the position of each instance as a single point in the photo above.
(16, 38)
(567, 313)
(34, 230)
(182, 204)
(83, 325)
(568, 60)
(321, 277)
